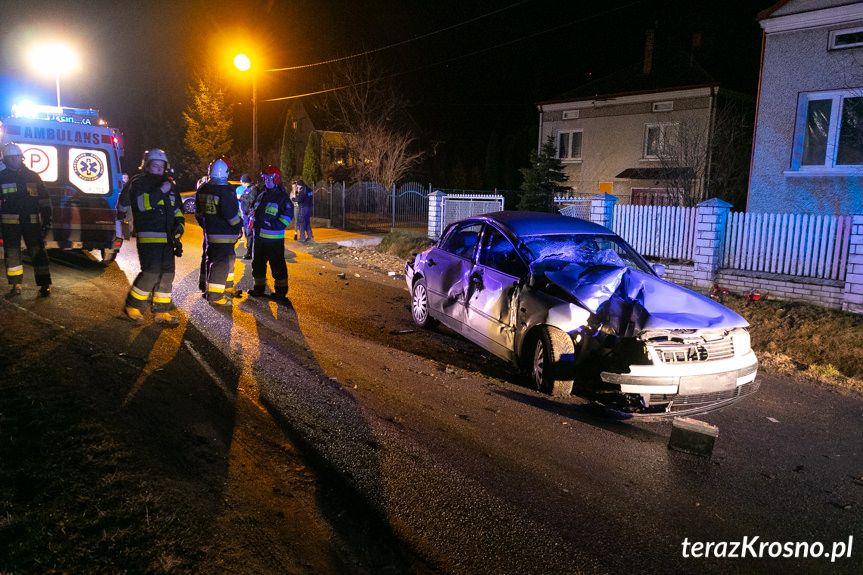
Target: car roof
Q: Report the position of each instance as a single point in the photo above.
(538, 223)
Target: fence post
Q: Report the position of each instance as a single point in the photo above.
(394, 208)
(711, 217)
(602, 209)
(852, 295)
(435, 214)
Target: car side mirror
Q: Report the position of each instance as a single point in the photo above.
(659, 269)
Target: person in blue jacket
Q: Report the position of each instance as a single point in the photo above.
(218, 213)
(272, 215)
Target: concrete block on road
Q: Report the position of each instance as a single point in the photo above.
(692, 436)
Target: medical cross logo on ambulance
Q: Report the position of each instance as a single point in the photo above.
(78, 158)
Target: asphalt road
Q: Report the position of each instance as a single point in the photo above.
(474, 472)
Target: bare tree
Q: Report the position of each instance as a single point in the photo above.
(704, 158)
(373, 116)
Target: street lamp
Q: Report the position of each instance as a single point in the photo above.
(54, 58)
(243, 64)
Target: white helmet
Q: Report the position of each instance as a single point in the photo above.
(11, 149)
(219, 172)
(155, 154)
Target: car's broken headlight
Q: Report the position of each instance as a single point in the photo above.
(742, 341)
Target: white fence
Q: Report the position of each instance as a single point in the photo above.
(802, 245)
(459, 206)
(793, 244)
(573, 206)
(657, 231)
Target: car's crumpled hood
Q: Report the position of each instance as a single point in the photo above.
(646, 301)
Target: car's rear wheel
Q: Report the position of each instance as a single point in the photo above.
(420, 304)
(554, 349)
(189, 206)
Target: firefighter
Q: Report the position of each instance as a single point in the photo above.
(218, 213)
(272, 215)
(25, 212)
(159, 224)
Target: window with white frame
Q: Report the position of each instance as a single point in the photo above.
(569, 145)
(829, 131)
(658, 137)
(850, 38)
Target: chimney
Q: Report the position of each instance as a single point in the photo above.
(695, 47)
(648, 51)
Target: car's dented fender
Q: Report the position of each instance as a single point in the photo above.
(535, 307)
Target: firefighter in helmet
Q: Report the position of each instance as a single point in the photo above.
(25, 213)
(272, 215)
(159, 224)
(218, 213)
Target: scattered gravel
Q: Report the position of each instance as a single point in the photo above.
(365, 257)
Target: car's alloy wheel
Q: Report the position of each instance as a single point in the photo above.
(553, 349)
(420, 303)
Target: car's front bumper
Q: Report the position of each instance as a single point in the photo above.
(686, 379)
(675, 390)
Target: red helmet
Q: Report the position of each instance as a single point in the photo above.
(227, 161)
(273, 171)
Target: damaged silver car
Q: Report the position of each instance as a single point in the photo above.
(573, 305)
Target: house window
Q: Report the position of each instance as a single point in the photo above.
(829, 131)
(663, 106)
(658, 137)
(569, 145)
(849, 38)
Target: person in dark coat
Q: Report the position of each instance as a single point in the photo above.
(159, 224)
(272, 215)
(25, 213)
(218, 213)
(305, 196)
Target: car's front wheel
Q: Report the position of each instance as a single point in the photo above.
(554, 349)
(420, 304)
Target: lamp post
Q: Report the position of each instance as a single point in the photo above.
(54, 58)
(243, 64)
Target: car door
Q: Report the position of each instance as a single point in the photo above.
(447, 274)
(491, 289)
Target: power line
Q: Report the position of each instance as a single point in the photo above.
(454, 58)
(403, 42)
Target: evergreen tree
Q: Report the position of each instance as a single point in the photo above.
(312, 172)
(208, 122)
(542, 180)
(287, 158)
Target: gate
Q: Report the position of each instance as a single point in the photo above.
(371, 208)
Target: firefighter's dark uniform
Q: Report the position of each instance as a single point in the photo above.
(218, 213)
(24, 210)
(272, 213)
(158, 222)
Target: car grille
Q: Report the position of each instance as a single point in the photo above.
(693, 351)
(682, 402)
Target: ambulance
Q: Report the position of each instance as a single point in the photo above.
(78, 158)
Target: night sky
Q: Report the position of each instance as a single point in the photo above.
(465, 67)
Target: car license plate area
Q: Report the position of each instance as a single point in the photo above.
(717, 382)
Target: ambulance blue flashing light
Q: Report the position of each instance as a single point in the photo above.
(87, 116)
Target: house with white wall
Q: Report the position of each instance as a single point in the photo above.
(808, 151)
(648, 135)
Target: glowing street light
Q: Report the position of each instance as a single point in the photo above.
(54, 58)
(244, 64)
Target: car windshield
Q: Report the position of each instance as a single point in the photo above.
(563, 251)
